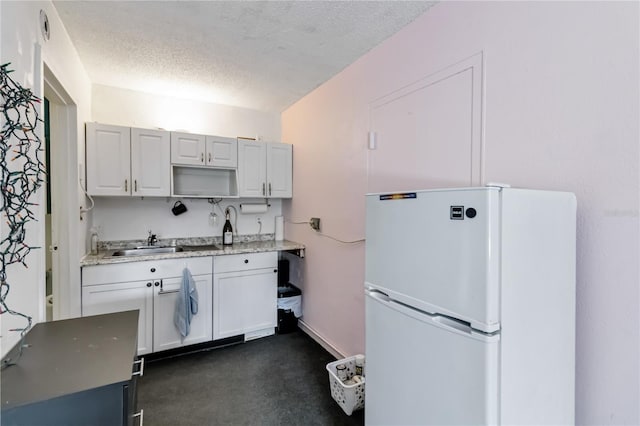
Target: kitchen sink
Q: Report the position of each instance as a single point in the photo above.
(147, 250)
(204, 247)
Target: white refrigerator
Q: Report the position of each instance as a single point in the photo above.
(470, 307)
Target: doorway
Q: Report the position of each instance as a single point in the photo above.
(62, 219)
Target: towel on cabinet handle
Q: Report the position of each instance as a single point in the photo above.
(186, 304)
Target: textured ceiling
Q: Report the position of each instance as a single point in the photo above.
(262, 55)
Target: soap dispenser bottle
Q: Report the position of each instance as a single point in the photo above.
(94, 241)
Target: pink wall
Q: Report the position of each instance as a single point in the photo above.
(561, 112)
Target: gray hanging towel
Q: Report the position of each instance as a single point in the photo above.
(186, 304)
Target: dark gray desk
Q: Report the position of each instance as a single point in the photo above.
(73, 372)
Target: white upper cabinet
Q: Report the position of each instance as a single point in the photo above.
(108, 159)
(221, 152)
(123, 161)
(279, 170)
(199, 150)
(188, 149)
(265, 169)
(150, 157)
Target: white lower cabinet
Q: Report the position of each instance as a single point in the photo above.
(151, 287)
(245, 293)
(119, 297)
(165, 334)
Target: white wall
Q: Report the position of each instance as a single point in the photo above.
(120, 218)
(561, 112)
(20, 32)
(137, 109)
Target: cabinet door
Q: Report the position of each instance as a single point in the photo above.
(165, 333)
(187, 149)
(109, 298)
(150, 162)
(279, 170)
(244, 302)
(108, 159)
(252, 168)
(222, 152)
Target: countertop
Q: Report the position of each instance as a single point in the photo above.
(105, 256)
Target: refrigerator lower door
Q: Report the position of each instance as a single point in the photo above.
(424, 370)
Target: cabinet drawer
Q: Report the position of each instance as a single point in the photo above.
(243, 262)
(143, 270)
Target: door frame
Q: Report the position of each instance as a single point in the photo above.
(65, 215)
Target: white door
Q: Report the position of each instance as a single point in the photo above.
(150, 162)
(252, 168)
(439, 121)
(108, 159)
(422, 370)
(165, 334)
(109, 298)
(279, 170)
(420, 253)
(222, 152)
(187, 149)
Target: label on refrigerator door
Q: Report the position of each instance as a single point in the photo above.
(399, 196)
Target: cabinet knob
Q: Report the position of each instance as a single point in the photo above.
(149, 284)
(157, 283)
(246, 261)
(275, 270)
(153, 269)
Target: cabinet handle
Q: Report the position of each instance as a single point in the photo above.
(263, 193)
(168, 291)
(126, 185)
(141, 416)
(209, 157)
(269, 188)
(149, 284)
(202, 157)
(135, 185)
(140, 372)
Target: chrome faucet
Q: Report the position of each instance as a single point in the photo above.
(152, 239)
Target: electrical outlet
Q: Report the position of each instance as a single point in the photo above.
(315, 223)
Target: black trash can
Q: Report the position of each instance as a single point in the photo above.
(289, 308)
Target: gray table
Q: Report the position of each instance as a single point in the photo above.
(73, 372)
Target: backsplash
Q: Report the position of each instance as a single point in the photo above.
(131, 218)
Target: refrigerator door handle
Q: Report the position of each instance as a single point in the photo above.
(378, 295)
(441, 321)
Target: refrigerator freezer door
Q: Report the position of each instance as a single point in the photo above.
(438, 251)
(423, 373)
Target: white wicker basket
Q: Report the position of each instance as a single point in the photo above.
(349, 397)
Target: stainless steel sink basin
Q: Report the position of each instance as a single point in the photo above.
(204, 247)
(143, 251)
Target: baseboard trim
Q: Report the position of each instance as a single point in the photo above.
(320, 339)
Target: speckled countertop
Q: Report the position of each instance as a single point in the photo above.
(246, 245)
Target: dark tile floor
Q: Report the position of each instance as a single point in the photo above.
(277, 380)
